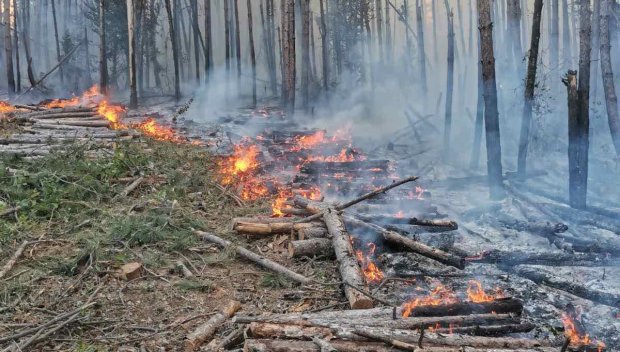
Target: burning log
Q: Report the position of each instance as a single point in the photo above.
(494, 330)
(60, 115)
(422, 225)
(206, 330)
(37, 114)
(413, 246)
(310, 248)
(499, 306)
(365, 318)
(542, 228)
(541, 276)
(251, 228)
(253, 257)
(71, 127)
(311, 232)
(345, 167)
(349, 269)
(549, 259)
(98, 123)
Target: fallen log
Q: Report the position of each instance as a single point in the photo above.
(95, 124)
(512, 258)
(206, 330)
(387, 320)
(58, 110)
(253, 257)
(541, 228)
(310, 248)
(542, 276)
(59, 115)
(581, 217)
(232, 339)
(311, 232)
(348, 266)
(413, 246)
(499, 306)
(250, 228)
(131, 187)
(387, 340)
(494, 330)
(9, 265)
(419, 225)
(45, 126)
(261, 220)
(346, 167)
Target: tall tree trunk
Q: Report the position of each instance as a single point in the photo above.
(421, 49)
(449, 86)
(305, 53)
(252, 52)
(611, 99)
(196, 32)
(566, 47)
(313, 71)
(291, 64)
(8, 48)
(475, 155)
(208, 41)
(86, 53)
(271, 47)
(177, 32)
(227, 35)
(103, 59)
(579, 122)
(131, 36)
(379, 24)
(596, 29)
(284, 52)
(186, 40)
(26, 40)
(18, 78)
(62, 74)
(388, 32)
(514, 30)
(324, 47)
(175, 52)
(530, 84)
(408, 51)
(491, 113)
(237, 40)
(554, 40)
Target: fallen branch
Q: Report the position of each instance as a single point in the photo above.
(310, 248)
(253, 257)
(324, 345)
(9, 265)
(249, 228)
(10, 211)
(132, 186)
(385, 339)
(206, 330)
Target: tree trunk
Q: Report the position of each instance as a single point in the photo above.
(388, 32)
(208, 40)
(554, 39)
(475, 154)
(291, 57)
(596, 35)
(449, 87)
(131, 36)
(611, 99)
(175, 52)
(26, 40)
(566, 47)
(579, 125)
(530, 84)
(305, 53)
(379, 24)
(8, 48)
(421, 50)
(58, 58)
(324, 47)
(227, 35)
(252, 52)
(514, 31)
(237, 39)
(18, 78)
(103, 60)
(491, 114)
(196, 32)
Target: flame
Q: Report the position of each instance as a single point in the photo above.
(278, 203)
(476, 294)
(241, 169)
(439, 295)
(371, 271)
(399, 215)
(111, 113)
(152, 129)
(418, 193)
(576, 337)
(345, 155)
(6, 107)
(308, 142)
(91, 96)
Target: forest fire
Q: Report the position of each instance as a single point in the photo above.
(152, 129)
(241, 169)
(6, 107)
(91, 96)
(575, 334)
(345, 155)
(111, 113)
(371, 272)
(476, 294)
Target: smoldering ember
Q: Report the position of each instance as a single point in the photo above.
(311, 175)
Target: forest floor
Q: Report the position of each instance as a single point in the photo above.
(81, 231)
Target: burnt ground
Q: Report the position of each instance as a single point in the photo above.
(81, 232)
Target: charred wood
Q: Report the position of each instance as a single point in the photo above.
(511, 258)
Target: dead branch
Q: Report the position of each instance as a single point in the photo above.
(9, 265)
(206, 330)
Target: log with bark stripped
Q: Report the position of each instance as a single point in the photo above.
(251, 228)
(206, 330)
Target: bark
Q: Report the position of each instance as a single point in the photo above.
(18, 79)
(491, 113)
(271, 228)
(265, 345)
(62, 75)
(208, 40)
(175, 52)
(237, 39)
(310, 248)
(290, 57)
(566, 45)
(208, 329)
(579, 122)
(196, 33)
(554, 39)
(26, 39)
(252, 52)
(611, 100)
(227, 35)
(530, 84)
(388, 32)
(379, 25)
(8, 48)
(475, 154)
(514, 32)
(349, 269)
(449, 87)
(103, 60)
(421, 50)
(312, 232)
(253, 257)
(496, 330)
(131, 34)
(305, 54)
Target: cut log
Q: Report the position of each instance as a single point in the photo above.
(253, 257)
(311, 232)
(249, 228)
(499, 306)
(9, 265)
(324, 345)
(60, 115)
(386, 320)
(346, 167)
(261, 220)
(183, 269)
(206, 330)
(58, 111)
(131, 187)
(512, 258)
(310, 248)
(45, 126)
(413, 246)
(349, 269)
(541, 228)
(541, 276)
(101, 123)
(387, 340)
(495, 330)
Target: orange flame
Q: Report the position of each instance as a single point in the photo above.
(240, 169)
(89, 97)
(310, 141)
(476, 294)
(439, 295)
(152, 129)
(278, 203)
(577, 338)
(6, 107)
(111, 113)
(345, 155)
(371, 271)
